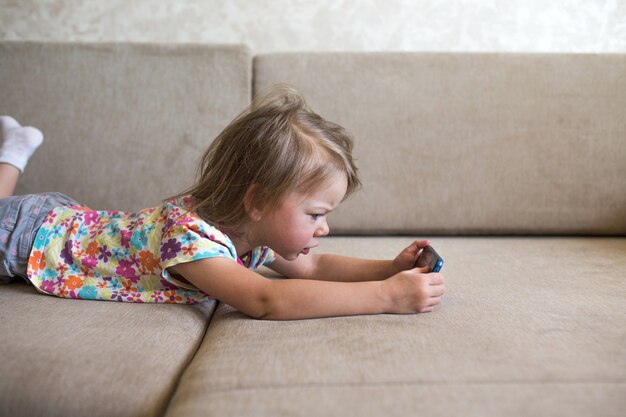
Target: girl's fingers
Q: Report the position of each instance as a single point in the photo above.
(437, 291)
(422, 243)
(435, 278)
(433, 301)
(422, 270)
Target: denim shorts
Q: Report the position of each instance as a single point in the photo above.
(21, 217)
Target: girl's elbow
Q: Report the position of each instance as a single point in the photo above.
(261, 312)
(268, 311)
(263, 305)
(271, 306)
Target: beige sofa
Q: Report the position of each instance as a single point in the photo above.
(514, 165)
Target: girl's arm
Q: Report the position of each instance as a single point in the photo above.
(328, 267)
(263, 298)
(347, 269)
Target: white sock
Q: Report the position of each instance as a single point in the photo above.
(8, 123)
(18, 143)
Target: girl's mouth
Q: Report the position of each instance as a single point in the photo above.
(305, 251)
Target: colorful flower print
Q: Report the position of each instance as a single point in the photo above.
(117, 256)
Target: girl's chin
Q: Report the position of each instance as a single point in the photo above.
(293, 256)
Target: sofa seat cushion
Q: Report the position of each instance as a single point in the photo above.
(65, 357)
(416, 399)
(528, 326)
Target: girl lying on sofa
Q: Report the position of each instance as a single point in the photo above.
(266, 186)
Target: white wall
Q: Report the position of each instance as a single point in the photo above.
(329, 25)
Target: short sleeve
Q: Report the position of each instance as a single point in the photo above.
(261, 255)
(270, 257)
(191, 239)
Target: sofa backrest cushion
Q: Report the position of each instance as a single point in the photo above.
(125, 125)
(473, 143)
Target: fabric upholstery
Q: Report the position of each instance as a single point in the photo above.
(125, 125)
(473, 143)
(528, 326)
(446, 143)
(63, 357)
(418, 398)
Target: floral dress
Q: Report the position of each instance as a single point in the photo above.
(120, 256)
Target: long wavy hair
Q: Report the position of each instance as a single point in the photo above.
(277, 144)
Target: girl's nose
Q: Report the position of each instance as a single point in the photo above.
(322, 230)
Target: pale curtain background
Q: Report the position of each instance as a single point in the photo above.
(329, 25)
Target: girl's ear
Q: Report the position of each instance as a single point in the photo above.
(250, 202)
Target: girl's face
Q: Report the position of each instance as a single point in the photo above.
(293, 228)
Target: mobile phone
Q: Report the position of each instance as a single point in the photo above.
(429, 258)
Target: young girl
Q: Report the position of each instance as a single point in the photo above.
(266, 186)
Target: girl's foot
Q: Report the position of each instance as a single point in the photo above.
(17, 143)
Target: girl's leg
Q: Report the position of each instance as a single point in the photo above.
(17, 144)
(8, 179)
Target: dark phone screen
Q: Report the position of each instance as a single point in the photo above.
(429, 258)
(425, 258)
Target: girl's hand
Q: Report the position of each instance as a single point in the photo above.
(408, 256)
(413, 291)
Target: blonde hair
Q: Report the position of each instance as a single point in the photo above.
(277, 144)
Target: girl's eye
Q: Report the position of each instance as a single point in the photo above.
(316, 216)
